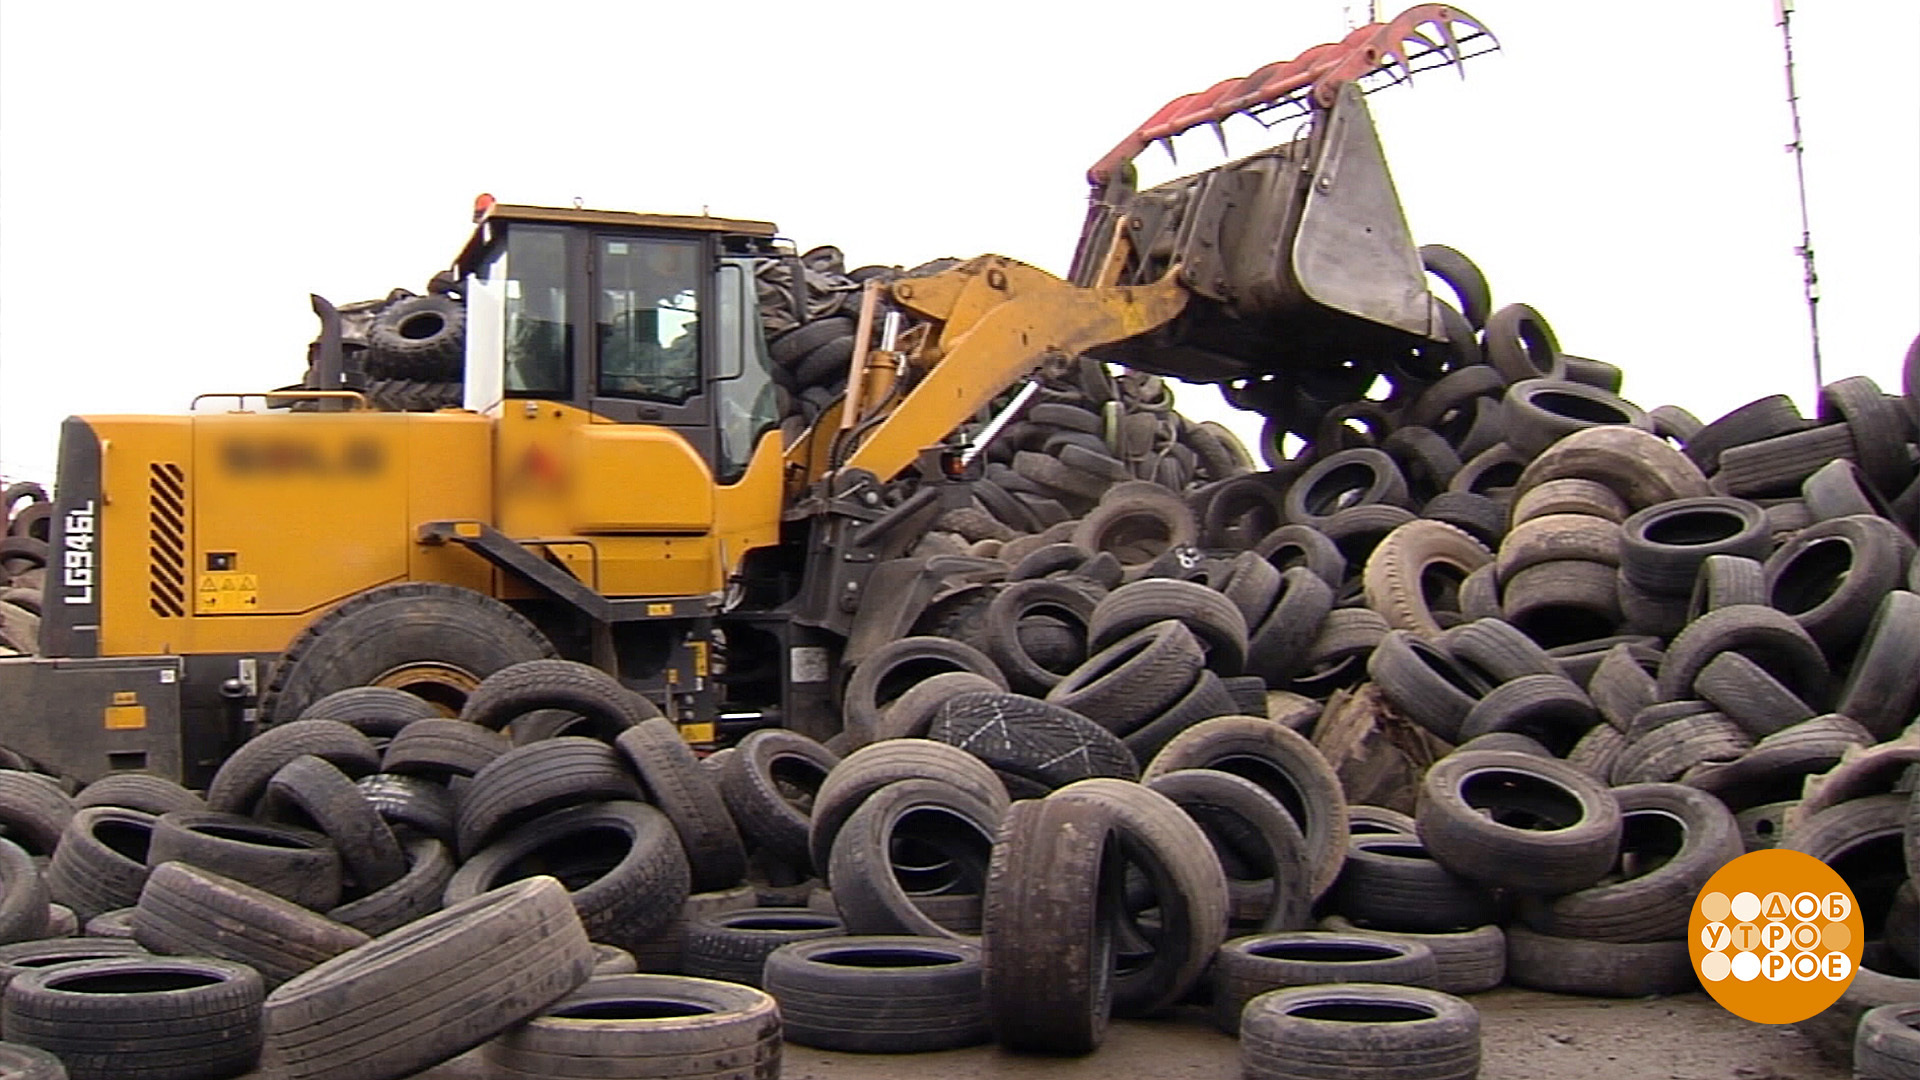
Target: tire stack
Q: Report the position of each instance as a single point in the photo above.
(23, 566)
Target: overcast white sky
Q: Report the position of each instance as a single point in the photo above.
(175, 178)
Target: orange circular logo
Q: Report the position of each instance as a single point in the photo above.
(1775, 936)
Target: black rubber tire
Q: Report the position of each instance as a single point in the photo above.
(440, 749)
(1207, 698)
(378, 711)
(1247, 827)
(1669, 751)
(1832, 576)
(1760, 419)
(894, 668)
(1047, 928)
(949, 824)
(1409, 574)
(24, 956)
(1283, 763)
(417, 337)
(1248, 967)
(1620, 687)
(1880, 691)
(1880, 428)
(1338, 654)
(910, 714)
(1392, 883)
(1726, 580)
(242, 779)
(537, 779)
(621, 862)
(33, 810)
(1777, 467)
(19, 1061)
(1570, 495)
(313, 794)
(826, 363)
(1469, 285)
(1002, 641)
(186, 911)
(1359, 477)
(293, 864)
(769, 784)
(384, 632)
(1136, 526)
(1252, 584)
(1304, 546)
(1596, 373)
(1188, 892)
(1128, 682)
(639, 1026)
(1650, 894)
(1496, 652)
(1549, 709)
(1564, 602)
(1469, 961)
(672, 778)
(788, 348)
(97, 1016)
(1464, 795)
(1365, 820)
(415, 807)
(867, 771)
(430, 990)
(1598, 968)
(23, 896)
(532, 685)
(1837, 489)
(1663, 546)
(117, 923)
(1750, 696)
(1556, 538)
(1520, 345)
(1762, 634)
(1214, 620)
(1886, 1045)
(1278, 646)
(1540, 412)
(417, 894)
(137, 791)
(1777, 767)
(1041, 743)
(1425, 683)
(733, 946)
(887, 995)
(101, 862)
(1408, 1033)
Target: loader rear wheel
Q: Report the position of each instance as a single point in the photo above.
(435, 641)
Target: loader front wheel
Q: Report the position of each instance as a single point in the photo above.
(435, 641)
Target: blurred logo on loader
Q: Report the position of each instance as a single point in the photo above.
(1775, 936)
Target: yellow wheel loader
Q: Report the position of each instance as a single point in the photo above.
(619, 487)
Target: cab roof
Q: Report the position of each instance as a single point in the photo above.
(621, 219)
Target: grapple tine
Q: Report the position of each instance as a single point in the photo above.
(1311, 79)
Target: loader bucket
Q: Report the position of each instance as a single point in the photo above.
(1298, 258)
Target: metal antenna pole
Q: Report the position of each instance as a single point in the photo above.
(1783, 11)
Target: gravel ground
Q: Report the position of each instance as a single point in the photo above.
(1526, 1035)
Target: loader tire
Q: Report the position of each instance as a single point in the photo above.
(436, 641)
(413, 395)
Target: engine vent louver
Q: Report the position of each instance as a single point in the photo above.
(167, 539)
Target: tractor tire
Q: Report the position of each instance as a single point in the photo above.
(420, 337)
(437, 641)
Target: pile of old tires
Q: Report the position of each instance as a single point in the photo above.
(23, 565)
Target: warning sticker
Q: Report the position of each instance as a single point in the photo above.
(222, 593)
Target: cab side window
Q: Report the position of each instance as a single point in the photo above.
(646, 318)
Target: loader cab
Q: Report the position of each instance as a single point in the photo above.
(629, 318)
